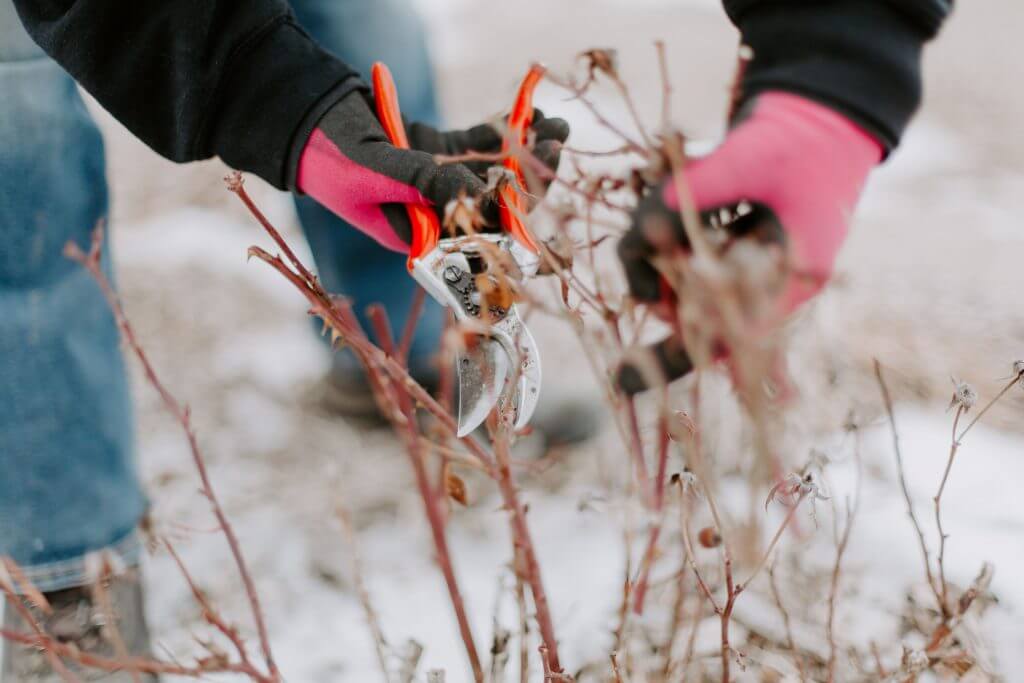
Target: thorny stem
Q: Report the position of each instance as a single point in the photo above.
(406, 426)
(211, 615)
(887, 400)
(112, 664)
(409, 331)
(684, 525)
(404, 388)
(91, 262)
(579, 94)
(666, 87)
(786, 621)
(640, 592)
(524, 544)
(953, 446)
(843, 542)
(356, 565)
(52, 656)
(773, 543)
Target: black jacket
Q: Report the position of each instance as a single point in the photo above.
(239, 79)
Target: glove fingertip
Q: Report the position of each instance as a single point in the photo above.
(551, 129)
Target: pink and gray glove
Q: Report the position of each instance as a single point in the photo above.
(800, 164)
(349, 166)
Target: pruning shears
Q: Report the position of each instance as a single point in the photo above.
(501, 367)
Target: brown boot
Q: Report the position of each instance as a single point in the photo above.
(78, 620)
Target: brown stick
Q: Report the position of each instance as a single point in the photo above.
(524, 543)
(887, 401)
(356, 565)
(408, 430)
(640, 592)
(91, 262)
(844, 540)
(26, 615)
(941, 559)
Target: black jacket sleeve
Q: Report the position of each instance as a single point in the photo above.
(861, 57)
(238, 79)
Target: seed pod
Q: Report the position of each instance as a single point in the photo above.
(709, 537)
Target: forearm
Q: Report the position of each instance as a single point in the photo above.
(860, 57)
(197, 78)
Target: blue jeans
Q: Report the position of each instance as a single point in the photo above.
(68, 485)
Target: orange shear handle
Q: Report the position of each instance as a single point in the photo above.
(513, 202)
(426, 228)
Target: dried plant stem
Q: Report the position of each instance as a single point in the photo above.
(841, 545)
(409, 331)
(404, 422)
(358, 576)
(787, 622)
(524, 630)
(941, 559)
(91, 262)
(985, 409)
(112, 664)
(666, 87)
(524, 544)
(212, 616)
(52, 655)
(773, 543)
(923, 544)
(954, 447)
(640, 592)
(579, 94)
(684, 526)
(101, 596)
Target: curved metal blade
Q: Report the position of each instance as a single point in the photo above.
(483, 371)
(528, 391)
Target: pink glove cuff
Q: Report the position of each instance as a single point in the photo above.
(352, 191)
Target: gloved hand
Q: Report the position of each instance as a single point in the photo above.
(349, 166)
(797, 162)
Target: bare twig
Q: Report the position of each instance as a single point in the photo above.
(666, 87)
(841, 545)
(91, 262)
(926, 554)
(356, 566)
(941, 558)
(524, 544)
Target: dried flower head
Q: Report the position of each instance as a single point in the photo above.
(964, 396)
(686, 480)
(796, 486)
(462, 215)
(604, 60)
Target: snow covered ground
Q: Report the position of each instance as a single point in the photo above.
(928, 286)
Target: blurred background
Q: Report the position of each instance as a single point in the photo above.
(928, 283)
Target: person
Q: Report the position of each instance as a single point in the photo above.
(67, 426)
(830, 88)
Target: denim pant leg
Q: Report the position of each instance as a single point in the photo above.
(361, 32)
(67, 480)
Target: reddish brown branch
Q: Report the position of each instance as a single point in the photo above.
(91, 262)
(524, 544)
(922, 543)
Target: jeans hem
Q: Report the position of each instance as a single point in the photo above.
(123, 554)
